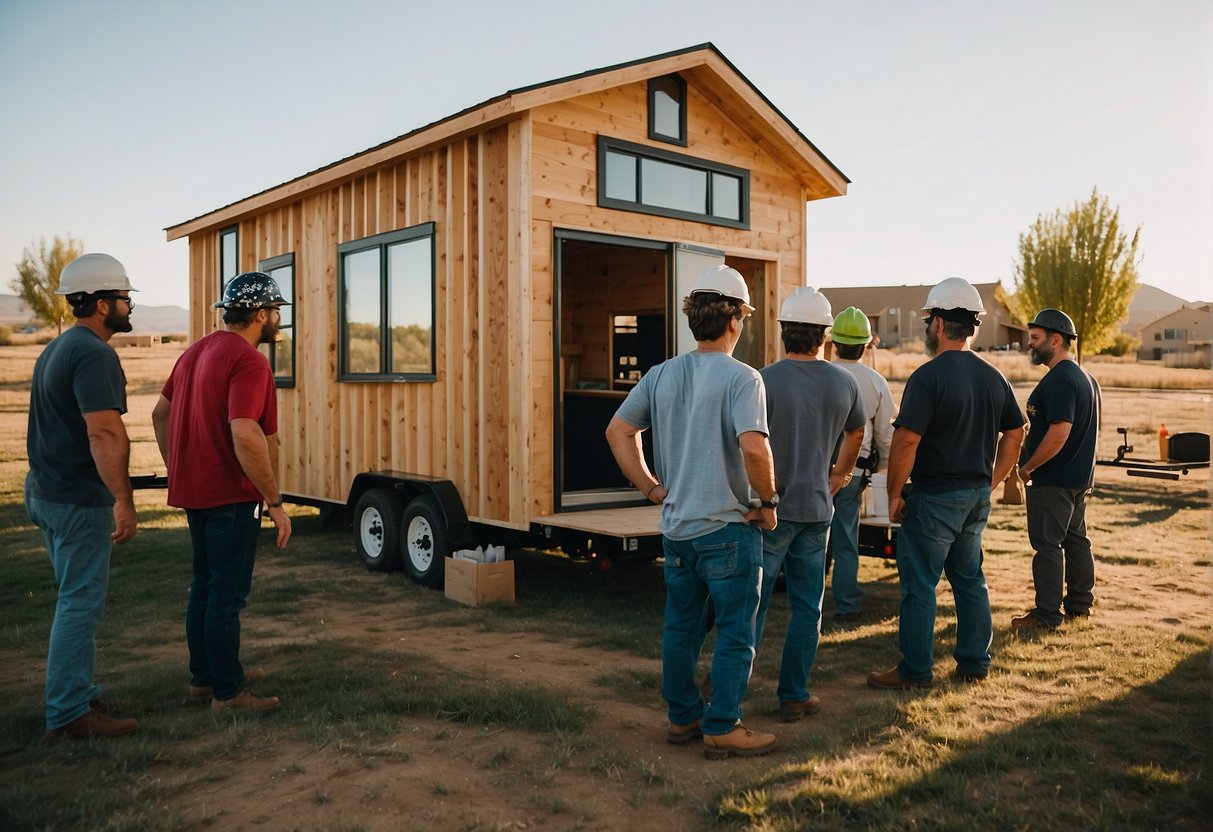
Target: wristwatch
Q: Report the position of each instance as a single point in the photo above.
(755, 502)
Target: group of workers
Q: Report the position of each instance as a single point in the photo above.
(756, 470)
(214, 422)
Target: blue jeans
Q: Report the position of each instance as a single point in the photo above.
(78, 543)
(941, 533)
(725, 565)
(225, 547)
(800, 550)
(844, 545)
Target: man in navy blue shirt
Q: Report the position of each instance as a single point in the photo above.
(1059, 468)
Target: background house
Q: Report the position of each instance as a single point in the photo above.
(896, 314)
(1179, 338)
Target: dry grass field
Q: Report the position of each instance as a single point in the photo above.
(404, 711)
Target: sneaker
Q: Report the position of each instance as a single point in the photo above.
(740, 742)
(246, 700)
(1030, 621)
(202, 694)
(683, 734)
(793, 711)
(891, 680)
(92, 724)
(847, 617)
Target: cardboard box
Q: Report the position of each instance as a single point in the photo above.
(476, 584)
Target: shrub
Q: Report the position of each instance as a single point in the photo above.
(1122, 344)
(6, 335)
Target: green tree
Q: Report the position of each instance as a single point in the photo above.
(1081, 262)
(38, 278)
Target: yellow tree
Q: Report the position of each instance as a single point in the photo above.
(38, 278)
(1081, 262)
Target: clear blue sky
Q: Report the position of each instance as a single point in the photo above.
(958, 122)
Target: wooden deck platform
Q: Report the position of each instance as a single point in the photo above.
(637, 521)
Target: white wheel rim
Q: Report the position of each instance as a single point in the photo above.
(420, 543)
(370, 531)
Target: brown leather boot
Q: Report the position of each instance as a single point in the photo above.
(246, 700)
(683, 734)
(92, 724)
(793, 711)
(740, 742)
(202, 694)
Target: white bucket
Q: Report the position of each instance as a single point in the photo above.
(876, 498)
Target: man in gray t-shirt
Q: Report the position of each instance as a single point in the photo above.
(812, 406)
(714, 478)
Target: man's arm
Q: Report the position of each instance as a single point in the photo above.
(848, 455)
(111, 450)
(161, 414)
(624, 439)
(253, 454)
(902, 454)
(760, 469)
(1055, 439)
(1006, 454)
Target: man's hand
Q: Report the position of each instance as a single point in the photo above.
(283, 522)
(763, 518)
(897, 509)
(125, 521)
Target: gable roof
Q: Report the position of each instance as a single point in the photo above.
(1188, 308)
(712, 72)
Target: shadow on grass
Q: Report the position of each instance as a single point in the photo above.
(1138, 762)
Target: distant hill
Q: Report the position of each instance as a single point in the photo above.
(161, 320)
(1149, 304)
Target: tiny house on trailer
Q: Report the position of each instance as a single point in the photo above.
(473, 300)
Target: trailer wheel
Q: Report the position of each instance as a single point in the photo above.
(425, 542)
(377, 529)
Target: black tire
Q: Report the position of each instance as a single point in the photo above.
(424, 542)
(377, 529)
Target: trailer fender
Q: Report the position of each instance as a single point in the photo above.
(443, 491)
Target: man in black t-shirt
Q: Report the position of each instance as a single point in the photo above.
(947, 435)
(78, 490)
(1059, 468)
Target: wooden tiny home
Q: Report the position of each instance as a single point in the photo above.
(473, 299)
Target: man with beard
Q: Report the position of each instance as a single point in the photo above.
(1059, 469)
(78, 491)
(215, 418)
(946, 436)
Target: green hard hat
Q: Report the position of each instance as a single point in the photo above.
(851, 326)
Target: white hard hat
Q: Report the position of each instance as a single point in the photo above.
(806, 306)
(724, 281)
(954, 293)
(93, 273)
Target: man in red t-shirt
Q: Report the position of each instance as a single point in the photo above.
(215, 417)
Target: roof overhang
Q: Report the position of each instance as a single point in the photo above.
(712, 73)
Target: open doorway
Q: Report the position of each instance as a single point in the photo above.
(611, 328)
(618, 313)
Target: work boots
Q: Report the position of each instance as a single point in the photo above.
(95, 723)
(740, 742)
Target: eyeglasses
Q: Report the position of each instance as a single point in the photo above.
(130, 303)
